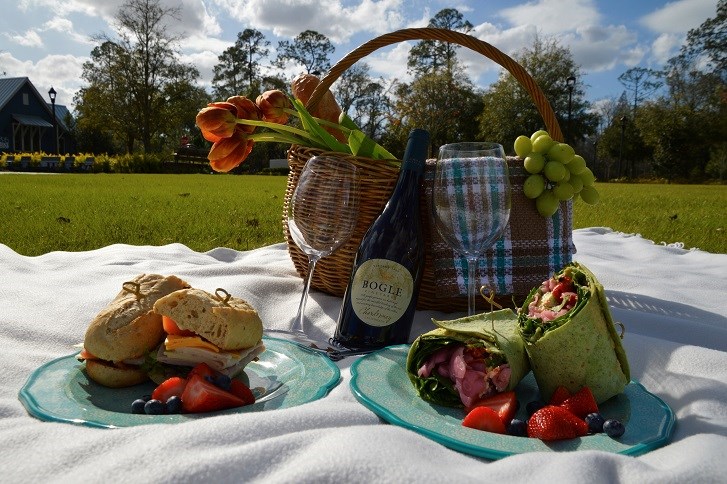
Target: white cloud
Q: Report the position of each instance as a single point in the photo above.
(680, 16)
(288, 18)
(28, 39)
(553, 16)
(666, 46)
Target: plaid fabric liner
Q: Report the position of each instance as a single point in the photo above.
(531, 249)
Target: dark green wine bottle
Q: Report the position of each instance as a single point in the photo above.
(380, 300)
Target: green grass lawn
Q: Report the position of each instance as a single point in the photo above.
(74, 212)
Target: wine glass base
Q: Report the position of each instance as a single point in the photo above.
(333, 351)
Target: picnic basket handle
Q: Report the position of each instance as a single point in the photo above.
(445, 35)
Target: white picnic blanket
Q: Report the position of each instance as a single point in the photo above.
(671, 300)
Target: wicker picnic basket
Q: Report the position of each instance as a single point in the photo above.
(531, 251)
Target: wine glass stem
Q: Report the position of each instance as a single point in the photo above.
(298, 323)
(471, 284)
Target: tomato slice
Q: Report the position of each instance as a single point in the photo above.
(170, 327)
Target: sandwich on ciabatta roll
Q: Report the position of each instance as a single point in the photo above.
(223, 331)
(121, 336)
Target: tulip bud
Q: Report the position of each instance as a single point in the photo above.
(226, 154)
(217, 121)
(246, 109)
(272, 104)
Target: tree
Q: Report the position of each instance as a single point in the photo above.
(509, 111)
(709, 41)
(128, 76)
(309, 49)
(641, 82)
(239, 69)
(443, 104)
(429, 56)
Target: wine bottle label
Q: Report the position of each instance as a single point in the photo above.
(381, 292)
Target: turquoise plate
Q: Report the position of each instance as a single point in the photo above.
(380, 382)
(286, 375)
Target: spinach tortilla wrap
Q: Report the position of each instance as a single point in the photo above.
(467, 359)
(570, 337)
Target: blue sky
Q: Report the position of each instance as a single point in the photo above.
(48, 40)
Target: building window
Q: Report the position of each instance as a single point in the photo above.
(26, 100)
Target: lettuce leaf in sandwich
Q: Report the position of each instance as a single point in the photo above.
(570, 336)
(467, 359)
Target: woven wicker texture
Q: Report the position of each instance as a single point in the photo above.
(332, 273)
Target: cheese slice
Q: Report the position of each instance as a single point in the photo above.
(174, 342)
(188, 352)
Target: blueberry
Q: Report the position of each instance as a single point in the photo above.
(137, 406)
(146, 398)
(613, 428)
(533, 407)
(223, 381)
(517, 428)
(174, 404)
(595, 423)
(154, 407)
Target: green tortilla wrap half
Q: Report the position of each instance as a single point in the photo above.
(578, 348)
(480, 355)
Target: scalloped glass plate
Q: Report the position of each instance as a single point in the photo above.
(380, 382)
(286, 375)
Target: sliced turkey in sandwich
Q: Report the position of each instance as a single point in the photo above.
(122, 334)
(223, 331)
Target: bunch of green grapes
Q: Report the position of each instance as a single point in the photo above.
(557, 173)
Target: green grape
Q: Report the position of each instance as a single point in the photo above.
(567, 175)
(534, 163)
(590, 195)
(534, 186)
(543, 143)
(563, 191)
(523, 146)
(576, 165)
(576, 182)
(537, 133)
(561, 152)
(554, 171)
(587, 177)
(546, 203)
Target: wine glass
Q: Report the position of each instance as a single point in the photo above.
(321, 217)
(471, 201)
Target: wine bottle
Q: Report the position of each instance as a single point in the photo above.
(380, 300)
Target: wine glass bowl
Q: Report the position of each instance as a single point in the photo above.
(321, 215)
(471, 201)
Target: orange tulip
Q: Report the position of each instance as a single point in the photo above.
(246, 109)
(217, 121)
(272, 104)
(226, 154)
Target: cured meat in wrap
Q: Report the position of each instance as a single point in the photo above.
(570, 336)
(467, 359)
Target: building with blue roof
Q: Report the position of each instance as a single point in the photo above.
(26, 120)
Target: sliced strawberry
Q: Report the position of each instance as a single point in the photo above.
(171, 387)
(581, 403)
(555, 423)
(242, 391)
(484, 418)
(170, 327)
(504, 404)
(202, 396)
(203, 370)
(559, 395)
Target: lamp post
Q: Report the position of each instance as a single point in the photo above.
(570, 83)
(621, 147)
(52, 96)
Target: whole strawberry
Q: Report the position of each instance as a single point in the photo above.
(555, 423)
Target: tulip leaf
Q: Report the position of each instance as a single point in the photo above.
(326, 139)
